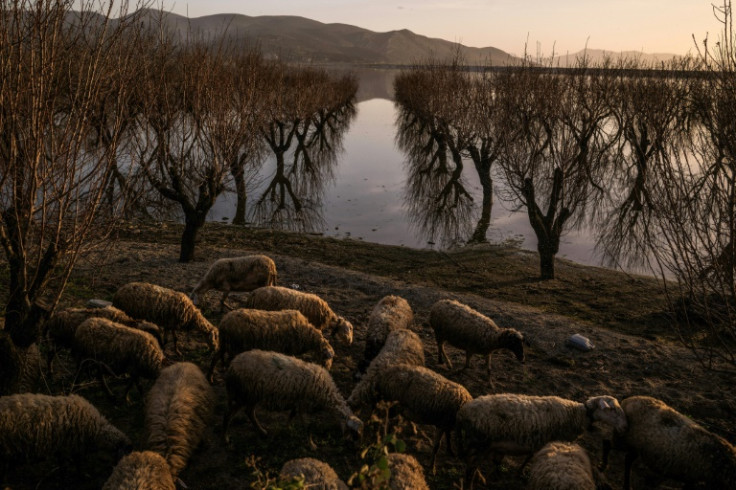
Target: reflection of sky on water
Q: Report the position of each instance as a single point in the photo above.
(365, 200)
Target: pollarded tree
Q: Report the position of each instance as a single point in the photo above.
(58, 66)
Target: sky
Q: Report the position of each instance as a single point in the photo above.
(565, 26)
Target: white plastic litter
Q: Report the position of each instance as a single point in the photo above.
(579, 342)
(98, 303)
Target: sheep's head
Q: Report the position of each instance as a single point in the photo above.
(111, 438)
(151, 328)
(327, 353)
(606, 409)
(343, 330)
(195, 298)
(513, 340)
(353, 427)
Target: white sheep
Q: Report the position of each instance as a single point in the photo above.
(402, 347)
(120, 349)
(406, 473)
(673, 445)
(144, 470)
(561, 466)
(169, 309)
(317, 475)
(35, 426)
(236, 274)
(179, 409)
(317, 311)
(391, 313)
(522, 424)
(424, 396)
(280, 382)
(287, 331)
(463, 327)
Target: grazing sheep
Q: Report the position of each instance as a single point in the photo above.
(317, 475)
(236, 274)
(317, 311)
(170, 309)
(561, 466)
(141, 471)
(280, 382)
(391, 313)
(521, 424)
(406, 473)
(120, 349)
(34, 427)
(674, 446)
(424, 396)
(288, 332)
(465, 328)
(178, 412)
(62, 325)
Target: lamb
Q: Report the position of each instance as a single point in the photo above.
(165, 307)
(236, 274)
(317, 475)
(522, 424)
(561, 466)
(402, 347)
(391, 313)
(317, 311)
(120, 349)
(287, 331)
(673, 445)
(406, 473)
(141, 471)
(465, 328)
(281, 382)
(62, 325)
(425, 397)
(178, 412)
(35, 426)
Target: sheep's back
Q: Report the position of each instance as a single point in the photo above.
(286, 331)
(561, 466)
(406, 473)
(461, 325)
(317, 475)
(310, 305)
(145, 470)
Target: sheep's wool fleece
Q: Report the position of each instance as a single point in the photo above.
(35, 426)
(406, 473)
(178, 411)
(317, 474)
(391, 313)
(461, 325)
(313, 307)
(528, 421)
(239, 274)
(561, 466)
(62, 325)
(141, 471)
(673, 444)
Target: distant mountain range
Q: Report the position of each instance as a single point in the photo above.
(303, 40)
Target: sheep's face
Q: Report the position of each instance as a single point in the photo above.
(353, 428)
(343, 330)
(111, 438)
(195, 298)
(327, 353)
(513, 341)
(606, 409)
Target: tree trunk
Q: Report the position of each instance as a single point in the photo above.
(192, 223)
(239, 177)
(546, 260)
(484, 222)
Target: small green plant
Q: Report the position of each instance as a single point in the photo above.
(264, 480)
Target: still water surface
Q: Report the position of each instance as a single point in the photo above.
(365, 200)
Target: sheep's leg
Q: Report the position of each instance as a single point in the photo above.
(442, 354)
(101, 379)
(222, 301)
(523, 465)
(630, 457)
(215, 357)
(468, 355)
(438, 433)
(606, 452)
(448, 438)
(126, 395)
(50, 358)
(232, 408)
(176, 347)
(251, 411)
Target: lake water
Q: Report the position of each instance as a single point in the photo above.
(365, 200)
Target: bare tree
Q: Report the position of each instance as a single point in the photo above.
(57, 68)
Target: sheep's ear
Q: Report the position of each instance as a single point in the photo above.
(330, 355)
(603, 404)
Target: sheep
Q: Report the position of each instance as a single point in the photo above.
(673, 445)
(391, 313)
(425, 397)
(241, 274)
(465, 328)
(316, 474)
(317, 311)
(561, 466)
(281, 382)
(521, 424)
(287, 331)
(402, 347)
(120, 349)
(61, 326)
(406, 473)
(35, 426)
(165, 307)
(178, 412)
(145, 470)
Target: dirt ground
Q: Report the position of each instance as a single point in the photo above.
(623, 315)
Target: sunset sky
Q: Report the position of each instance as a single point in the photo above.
(651, 26)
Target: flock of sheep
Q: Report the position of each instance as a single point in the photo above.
(256, 347)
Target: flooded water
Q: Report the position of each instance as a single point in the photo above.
(365, 198)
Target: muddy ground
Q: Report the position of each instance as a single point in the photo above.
(625, 316)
